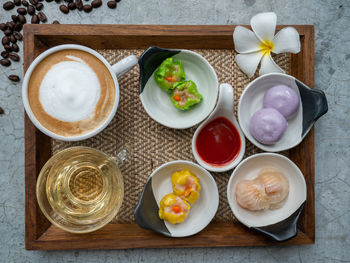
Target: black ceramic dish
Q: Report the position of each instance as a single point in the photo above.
(279, 224)
(313, 104)
(159, 184)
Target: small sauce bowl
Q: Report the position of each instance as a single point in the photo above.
(218, 143)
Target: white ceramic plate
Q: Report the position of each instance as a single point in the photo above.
(157, 103)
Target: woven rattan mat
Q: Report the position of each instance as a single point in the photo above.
(154, 144)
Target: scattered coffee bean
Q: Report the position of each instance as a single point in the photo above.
(10, 25)
(13, 78)
(15, 47)
(4, 54)
(112, 4)
(18, 36)
(22, 19)
(14, 18)
(96, 3)
(87, 8)
(55, 22)
(2, 111)
(39, 6)
(49, 1)
(7, 32)
(17, 2)
(64, 9)
(33, 2)
(79, 4)
(35, 19)
(57, 1)
(117, 1)
(12, 39)
(5, 40)
(22, 11)
(72, 6)
(42, 17)
(31, 10)
(14, 56)
(3, 26)
(25, 3)
(18, 27)
(8, 48)
(5, 62)
(8, 5)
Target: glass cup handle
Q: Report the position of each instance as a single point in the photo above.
(122, 155)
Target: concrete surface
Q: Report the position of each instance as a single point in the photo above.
(332, 22)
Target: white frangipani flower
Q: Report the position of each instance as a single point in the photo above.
(257, 46)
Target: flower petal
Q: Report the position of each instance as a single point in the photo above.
(245, 40)
(286, 40)
(249, 62)
(269, 66)
(264, 25)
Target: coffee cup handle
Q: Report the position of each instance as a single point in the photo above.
(123, 66)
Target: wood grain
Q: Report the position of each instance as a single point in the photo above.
(41, 235)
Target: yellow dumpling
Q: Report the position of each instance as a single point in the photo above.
(251, 195)
(173, 209)
(186, 185)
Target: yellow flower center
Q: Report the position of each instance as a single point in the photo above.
(266, 47)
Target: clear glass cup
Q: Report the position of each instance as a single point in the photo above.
(81, 189)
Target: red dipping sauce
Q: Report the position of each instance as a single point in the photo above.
(218, 143)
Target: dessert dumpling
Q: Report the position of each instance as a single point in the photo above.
(173, 209)
(169, 73)
(186, 185)
(185, 95)
(275, 183)
(251, 195)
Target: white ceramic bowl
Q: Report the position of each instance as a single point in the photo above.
(159, 184)
(156, 102)
(313, 104)
(249, 169)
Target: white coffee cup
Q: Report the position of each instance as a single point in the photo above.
(116, 70)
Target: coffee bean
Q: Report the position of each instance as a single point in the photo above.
(31, 10)
(39, 6)
(14, 18)
(18, 36)
(72, 6)
(17, 2)
(5, 40)
(10, 25)
(117, 1)
(22, 19)
(79, 4)
(55, 22)
(42, 17)
(112, 4)
(87, 8)
(35, 19)
(4, 54)
(15, 47)
(33, 2)
(7, 32)
(12, 39)
(64, 9)
(14, 78)
(57, 1)
(49, 1)
(8, 48)
(96, 3)
(3, 26)
(8, 5)
(2, 111)
(5, 62)
(25, 3)
(18, 27)
(22, 11)
(14, 56)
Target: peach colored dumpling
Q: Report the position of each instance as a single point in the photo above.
(251, 195)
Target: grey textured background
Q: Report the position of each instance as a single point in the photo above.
(332, 22)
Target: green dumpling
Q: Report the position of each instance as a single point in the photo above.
(169, 73)
(185, 95)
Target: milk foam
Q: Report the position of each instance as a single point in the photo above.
(70, 91)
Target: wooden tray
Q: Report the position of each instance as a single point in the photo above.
(41, 235)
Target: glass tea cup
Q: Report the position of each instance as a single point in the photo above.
(81, 189)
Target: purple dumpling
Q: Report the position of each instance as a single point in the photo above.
(282, 98)
(267, 125)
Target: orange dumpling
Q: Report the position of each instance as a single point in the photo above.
(275, 183)
(251, 195)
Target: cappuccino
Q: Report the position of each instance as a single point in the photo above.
(71, 92)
